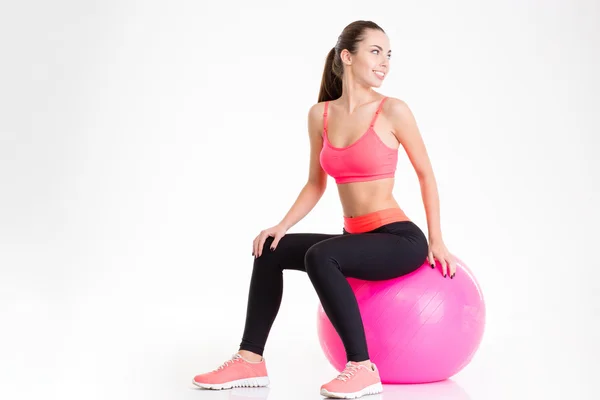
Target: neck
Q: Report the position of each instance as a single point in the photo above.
(354, 95)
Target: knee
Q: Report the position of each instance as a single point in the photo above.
(266, 257)
(267, 245)
(317, 259)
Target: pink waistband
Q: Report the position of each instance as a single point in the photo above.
(373, 220)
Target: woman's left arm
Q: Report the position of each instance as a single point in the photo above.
(406, 131)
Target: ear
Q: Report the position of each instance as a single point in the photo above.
(346, 57)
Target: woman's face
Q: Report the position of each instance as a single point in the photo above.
(371, 64)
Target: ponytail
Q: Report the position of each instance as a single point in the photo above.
(331, 82)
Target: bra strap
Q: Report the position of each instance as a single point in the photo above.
(325, 117)
(377, 112)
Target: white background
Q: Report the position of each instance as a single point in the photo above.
(143, 145)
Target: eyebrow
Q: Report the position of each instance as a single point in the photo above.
(379, 47)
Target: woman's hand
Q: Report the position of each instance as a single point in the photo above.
(438, 251)
(277, 232)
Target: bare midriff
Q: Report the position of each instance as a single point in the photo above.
(369, 205)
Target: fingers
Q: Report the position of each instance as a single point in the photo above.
(255, 246)
(444, 267)
(445, 259)
(431, 259)
(261, 242)
(276, 240)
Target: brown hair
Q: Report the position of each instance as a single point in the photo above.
(331, 82)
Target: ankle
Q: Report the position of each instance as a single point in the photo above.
(366, 363)
(250, 356)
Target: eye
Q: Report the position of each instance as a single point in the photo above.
(389, 55)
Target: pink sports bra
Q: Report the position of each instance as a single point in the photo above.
(366, 159)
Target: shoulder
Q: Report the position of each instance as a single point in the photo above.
(398, 113)
(315, 119)
(315, 113)
(395, 108)
(317, 110)
(401, 118)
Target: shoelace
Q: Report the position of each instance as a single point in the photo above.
(230, 361)
(348, 372)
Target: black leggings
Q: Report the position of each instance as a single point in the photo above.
(387, 252)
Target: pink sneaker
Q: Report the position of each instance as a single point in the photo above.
(354, 381)
(236, 372)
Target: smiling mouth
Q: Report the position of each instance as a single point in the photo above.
(380, 74)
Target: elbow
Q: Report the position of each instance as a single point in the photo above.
(426, 177)
(318, 185)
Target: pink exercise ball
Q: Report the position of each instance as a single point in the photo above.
(420, 327)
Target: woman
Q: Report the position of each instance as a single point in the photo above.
(378, 240)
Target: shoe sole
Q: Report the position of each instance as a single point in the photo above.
(373, 389)
(248, 382)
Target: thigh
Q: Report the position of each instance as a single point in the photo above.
(374, 255)
(290, 252)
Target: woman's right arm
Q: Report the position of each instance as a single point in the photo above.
(312, 191)
(314, 188)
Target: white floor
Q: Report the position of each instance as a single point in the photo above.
(498, 372)
(141, 366)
